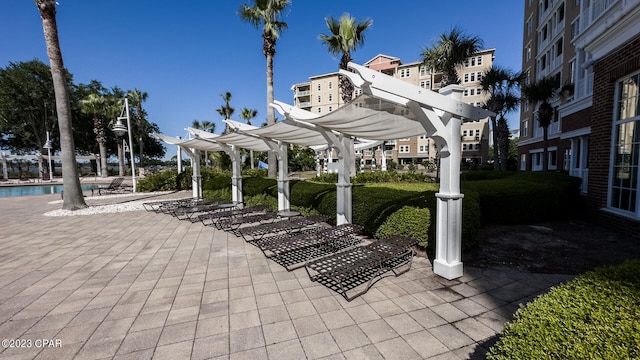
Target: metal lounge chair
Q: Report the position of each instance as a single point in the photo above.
(191, 212)
(288, 225)
(234, 223)
(114, 186)
(352, 272)
(292, 251)
(156, 206)
(214, 217)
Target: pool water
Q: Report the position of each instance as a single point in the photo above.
(36, 190)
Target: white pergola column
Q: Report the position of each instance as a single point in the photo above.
(383, 161)
(236, 176)
(343, 195)
(318, 168)
(179, 157)
(196, 177)
(284, 193)
(448, 262)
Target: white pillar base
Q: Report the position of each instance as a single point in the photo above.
(448, 271)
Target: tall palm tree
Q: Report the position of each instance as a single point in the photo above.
(207, 126)
(541, 93)
(73, 198)
(247, 114)
(449, 52)
(95, 105)
(267, 14)
(346, 36)
(502, 86)
(137, 97)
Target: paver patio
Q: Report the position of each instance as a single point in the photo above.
(142, 285)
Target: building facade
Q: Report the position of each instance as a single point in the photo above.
(321, 95)
(592, 48)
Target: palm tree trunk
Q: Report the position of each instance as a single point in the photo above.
(73, 197)
(104, 170)
(271, 119)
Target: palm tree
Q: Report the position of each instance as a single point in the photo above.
(266, 14)
(207, 126)
(247, 114)
(541, 93)
(73, 198)
(137, 97)
(346, 36)
(449, 52)
(96, 105)
(226, 110)
(502, 87)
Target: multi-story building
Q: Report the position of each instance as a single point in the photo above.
(321, 95)
(592, 48)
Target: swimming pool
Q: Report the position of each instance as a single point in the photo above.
(36, 190)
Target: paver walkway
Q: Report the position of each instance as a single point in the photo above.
(141, 285)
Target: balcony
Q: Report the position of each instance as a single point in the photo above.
(303, 93)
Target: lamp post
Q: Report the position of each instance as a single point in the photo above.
(47, 145)
(120, 130)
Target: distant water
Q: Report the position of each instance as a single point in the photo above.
(35, 190)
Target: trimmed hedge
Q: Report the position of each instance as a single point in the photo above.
(526, 197)
(252, 186)
(595, 316)
(409, 221)
(166, 180)
(308, 194)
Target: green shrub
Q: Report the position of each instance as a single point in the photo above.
(526, 197)
(254, 172)
(308, 194)
(262, 199)
(595, 316)
(216, 180)
(326, 178)
(224, 195)
(252, 186)
(166, 180)
(409, 221)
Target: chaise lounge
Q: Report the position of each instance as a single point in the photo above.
(352, 272)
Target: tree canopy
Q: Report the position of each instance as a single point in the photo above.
(28, 111)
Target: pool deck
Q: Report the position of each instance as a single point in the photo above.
(141, 285)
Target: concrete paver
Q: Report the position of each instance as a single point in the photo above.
(145, 285)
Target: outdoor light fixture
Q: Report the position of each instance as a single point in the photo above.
(48, 145)
(120, 130)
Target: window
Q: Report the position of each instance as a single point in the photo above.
(479, 60)
(529, 26)
(623, 190)
(405, 73)
(473, 77)
(404, 148)
(543, 62)
(559, 47)
(330, 85)
(423, 148)
(466, 92)
(330, 108)
(479, 76)
(424, 84)
(466, 77)
(319, 87)
(575, 28)
(523, 162)
(473, 61)
(472, 92)
(466, 63)
(319, 98)
(319, 110)
(330, 97)
(544, 33)
(527, 54)
(464, 132)
(464, 147)
(561, 12)
(423, 71)
(525, 128)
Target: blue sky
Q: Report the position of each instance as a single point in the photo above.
(184, 54)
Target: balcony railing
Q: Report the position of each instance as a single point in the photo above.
(303, 93)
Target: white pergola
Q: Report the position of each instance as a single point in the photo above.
(389, 109)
